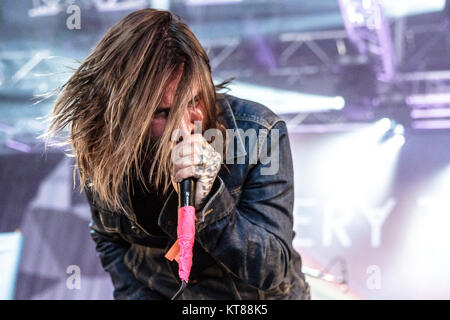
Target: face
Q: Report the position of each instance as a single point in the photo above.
(194, 113)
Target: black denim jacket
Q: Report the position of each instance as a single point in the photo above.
(244, 232)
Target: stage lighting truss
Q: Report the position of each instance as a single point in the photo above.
(21, 69)
(430, 109)
(366, 40)
(43, 8)
(428, 91)
(310, 40)
(220, 49)
(369, 30)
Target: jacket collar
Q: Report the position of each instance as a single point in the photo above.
(230, 121)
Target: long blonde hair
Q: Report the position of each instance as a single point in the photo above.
(110, 100)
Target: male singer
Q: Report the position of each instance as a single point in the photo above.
(146, 79)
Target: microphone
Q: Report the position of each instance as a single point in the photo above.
(186, 196)
(185, 231)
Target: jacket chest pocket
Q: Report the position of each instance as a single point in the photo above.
(110, 220)
(135, 233)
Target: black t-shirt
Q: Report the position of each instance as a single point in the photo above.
(147, 205)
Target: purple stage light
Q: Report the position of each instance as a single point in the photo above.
(430, 113)
(431, 124)
(16, 145)
(429, 99)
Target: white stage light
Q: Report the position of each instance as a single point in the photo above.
(284, 101)
(397, 140)
(357, 165)
(399, 129)
(399, 8)
(383, 124)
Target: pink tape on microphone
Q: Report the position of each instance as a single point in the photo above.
(185, 236)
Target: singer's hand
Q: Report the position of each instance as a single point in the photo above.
(195, 157)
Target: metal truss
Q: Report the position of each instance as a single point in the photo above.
(369, 30)
(427, 91)
(311, 42)
(225, 46)
(366, 41)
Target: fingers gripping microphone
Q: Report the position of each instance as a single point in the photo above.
(185, 231)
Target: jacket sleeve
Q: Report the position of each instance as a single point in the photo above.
(111, 249)
(253, 238)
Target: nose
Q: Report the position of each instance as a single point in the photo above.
(191, 118)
